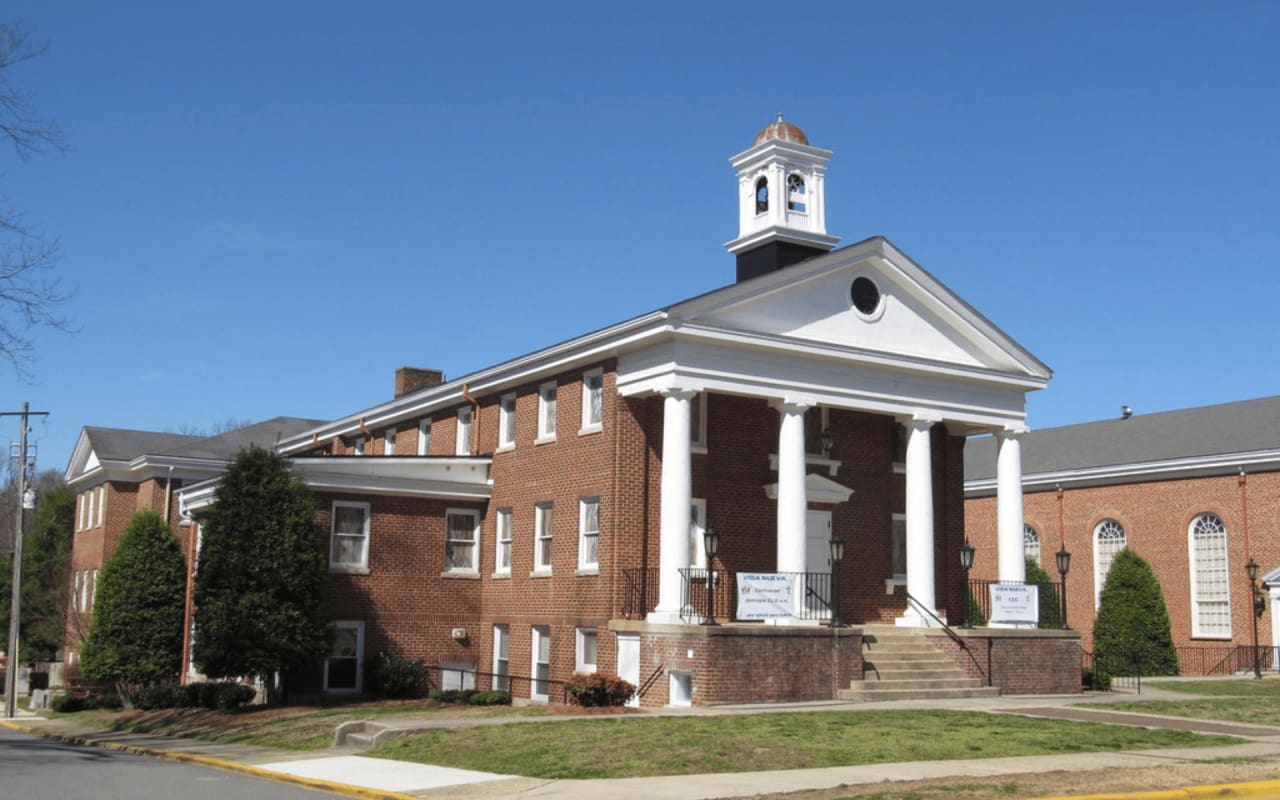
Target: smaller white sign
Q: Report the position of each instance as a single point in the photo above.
(1015, 604)
(765, 595)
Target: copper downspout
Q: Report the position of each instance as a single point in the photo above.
(1243, 480)
(189, 603)
(475, 419)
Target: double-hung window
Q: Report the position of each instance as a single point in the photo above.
(1210, 579)
(92, 494)
(589, 533)
(507, 420)
(541, 646)
(542, 537)
(547, 412)
(501, 658)
(462, 540)
(359, 446)
(502, 548)
(424, 437)
(102, 504)
(389, 442)
(462, 436)
(592, 401)
(349, 539)
(585, 660)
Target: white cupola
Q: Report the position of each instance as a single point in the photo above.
(781, 204)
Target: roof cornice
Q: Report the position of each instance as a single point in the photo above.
(516, 371)
(1138, 472)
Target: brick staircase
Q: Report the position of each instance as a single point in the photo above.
(900, 664)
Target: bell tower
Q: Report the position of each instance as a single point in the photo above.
(782, 215)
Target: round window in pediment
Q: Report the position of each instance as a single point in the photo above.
(865, 295)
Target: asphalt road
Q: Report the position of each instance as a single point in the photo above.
(34, 768)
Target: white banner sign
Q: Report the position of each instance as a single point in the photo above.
(1015, 604)
(765, 595)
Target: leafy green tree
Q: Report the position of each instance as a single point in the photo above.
(46, 566)
(135, 636)
(1050, 608)
(262, 570)
(1131, 631)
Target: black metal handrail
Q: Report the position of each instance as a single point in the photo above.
(497, 681)
(955, 637)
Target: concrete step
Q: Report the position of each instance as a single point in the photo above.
(871, 672)
(875, 692)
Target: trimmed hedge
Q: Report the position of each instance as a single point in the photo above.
(397, 678)
(598, 689)
(69, 704)
(471, 697)
(213, 695)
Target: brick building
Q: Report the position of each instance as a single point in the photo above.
(1195, 492)
(546, 515)
(117, 472)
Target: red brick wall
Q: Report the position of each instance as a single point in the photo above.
(746, 664)
(1156, 516)
(1017, 661)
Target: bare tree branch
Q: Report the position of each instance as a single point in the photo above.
(28, 298)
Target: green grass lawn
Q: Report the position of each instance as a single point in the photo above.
(632, 746)
(288, 728)
(1245, 700)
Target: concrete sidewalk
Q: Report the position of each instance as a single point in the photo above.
(347, 772)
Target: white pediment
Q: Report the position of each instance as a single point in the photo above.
(916, 318)
(817, 489)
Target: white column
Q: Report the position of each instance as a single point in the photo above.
(792, 503)
(1012, 562)
(676, 496)
(920, 576)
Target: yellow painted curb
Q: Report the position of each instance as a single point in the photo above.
(1252, 789)
(216, 763)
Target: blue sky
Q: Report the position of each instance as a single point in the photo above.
(269, 207)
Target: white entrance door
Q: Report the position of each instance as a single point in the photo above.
(817, 562)
(629, 663)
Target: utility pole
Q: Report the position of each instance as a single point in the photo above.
(15, 602)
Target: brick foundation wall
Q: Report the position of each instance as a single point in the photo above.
(1017, 661)
(745, 663)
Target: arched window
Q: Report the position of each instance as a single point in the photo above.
(1031, 543)
(1108, 539)
(762, 195)
(796, 200)
(1210, 586)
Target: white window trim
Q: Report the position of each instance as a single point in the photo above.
(1196, 630)
(588, 426)
(698, 438)
(461, 672)
(102, 504)
(898, 578)
(580, 636)
(359, 447)
(462, 432)
(583, 565)
(697, 525)
(539, 633)
(501, 677)
(92, 493)
(548, 409)
(540, 512)
(359, 687)
(503, 524)
(1038, 558)
(363, 564)
(424, 437)
(475, 538)
(83, 504)
(93, 590)
(389, 442)
(507, 419)
(1099, 575)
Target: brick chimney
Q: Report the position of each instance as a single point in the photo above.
(411, 379)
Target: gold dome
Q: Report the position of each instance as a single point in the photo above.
(782, 131)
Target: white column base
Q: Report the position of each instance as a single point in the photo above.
(665, 618)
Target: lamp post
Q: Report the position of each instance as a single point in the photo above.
(966, 564)
(1258, 605)
(837, 555)
(710, 544)
(1064, 566)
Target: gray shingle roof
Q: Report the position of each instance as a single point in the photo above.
(122, 444)
(227, 445)
(1241, 427)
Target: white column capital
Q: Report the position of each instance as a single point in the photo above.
(678, 392)
(1012, 432)
(793, 404)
